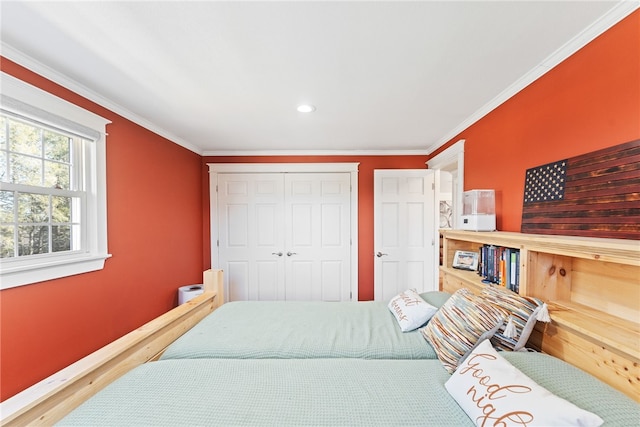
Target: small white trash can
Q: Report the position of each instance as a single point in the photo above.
(186, 293)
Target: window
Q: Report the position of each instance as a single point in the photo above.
(52, 187)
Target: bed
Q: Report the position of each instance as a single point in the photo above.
(329, 392)
(128, 382)
(297, 330)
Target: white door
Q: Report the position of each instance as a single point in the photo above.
(284, 236)
(405, 232)
(251, 235)
(317, 248)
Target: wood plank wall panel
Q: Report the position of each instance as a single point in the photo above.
(599, 198)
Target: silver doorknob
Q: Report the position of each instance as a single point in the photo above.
(291, 253)
(380, 254)
(276, 253)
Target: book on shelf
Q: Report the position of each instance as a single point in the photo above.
(500, 265)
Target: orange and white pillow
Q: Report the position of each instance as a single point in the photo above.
(494, 392)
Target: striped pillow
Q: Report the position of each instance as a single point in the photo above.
(460, 324)
(514, 333)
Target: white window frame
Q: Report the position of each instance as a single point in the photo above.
(31, 102)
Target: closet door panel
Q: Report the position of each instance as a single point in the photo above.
(237, 275)
(300, 229)
(251, 235)
(268, 280)
(237, 216)
(300, 284)
(331, 227)
(268, 216)
(317, 214)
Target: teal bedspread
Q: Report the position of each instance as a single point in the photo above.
(298, 330)
(319, 392)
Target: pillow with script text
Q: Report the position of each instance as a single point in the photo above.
(494, 392)
(410, 310)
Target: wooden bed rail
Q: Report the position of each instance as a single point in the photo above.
(213, 282)
(54, 397)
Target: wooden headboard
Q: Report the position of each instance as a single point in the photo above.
(592, 287)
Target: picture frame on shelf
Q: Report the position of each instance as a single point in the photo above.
(465, 260)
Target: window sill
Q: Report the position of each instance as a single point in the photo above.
(49, 269)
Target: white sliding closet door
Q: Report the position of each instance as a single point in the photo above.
(284, 236)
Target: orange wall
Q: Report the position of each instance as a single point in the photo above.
(155, 236)
(365, 200)
(588, 102)
(158, 201)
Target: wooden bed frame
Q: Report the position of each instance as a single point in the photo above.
(54, 397)
(51, 399)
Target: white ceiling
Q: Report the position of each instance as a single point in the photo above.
(226, 77)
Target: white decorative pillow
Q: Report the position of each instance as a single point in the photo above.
(494, 392)
(460, 324)
(524, 312)
(410, 310)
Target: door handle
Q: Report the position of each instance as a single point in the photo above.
(291, 253)
(380, 254)
(276, 253)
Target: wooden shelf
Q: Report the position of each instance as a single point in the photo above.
(470, 277)
(610, 331)
(592, 288)
(614, 250)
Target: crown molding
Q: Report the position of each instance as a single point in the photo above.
(618, 12)
(225, 153)
(49, 73)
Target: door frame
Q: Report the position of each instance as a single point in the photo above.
(352, 168)
(451, 160)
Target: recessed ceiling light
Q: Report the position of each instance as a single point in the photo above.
(306, 108)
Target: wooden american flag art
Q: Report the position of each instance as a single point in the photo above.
(596, 194)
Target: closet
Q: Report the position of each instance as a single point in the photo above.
(284, 231)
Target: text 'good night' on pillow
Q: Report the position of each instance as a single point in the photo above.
(462, 322)
(410, 310)
(494, 392)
